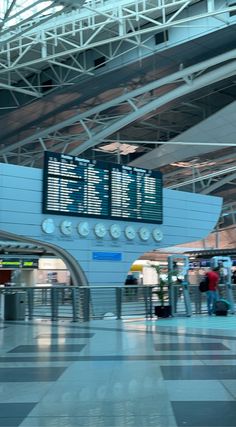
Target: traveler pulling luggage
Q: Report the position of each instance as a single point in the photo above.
(212, 292)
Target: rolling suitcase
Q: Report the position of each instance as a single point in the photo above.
(221, 307)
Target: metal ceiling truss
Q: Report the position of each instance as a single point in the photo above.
(108, 29)
(204, 182)
(227, 158)
(16, 15)
(209, 181)
(211, 174)
(99, 122)
(156, 143)
(229, 209)
(228, 218)
(229, 178)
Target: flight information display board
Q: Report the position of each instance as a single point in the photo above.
(75, 186)
(81, 187)
(136, 194)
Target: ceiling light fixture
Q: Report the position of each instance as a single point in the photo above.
(116, 147)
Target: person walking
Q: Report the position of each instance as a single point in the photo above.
(212, 293)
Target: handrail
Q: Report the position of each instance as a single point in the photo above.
(83, 303)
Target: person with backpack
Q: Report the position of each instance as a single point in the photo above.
(212, 293)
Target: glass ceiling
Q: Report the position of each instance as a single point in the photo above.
(15, 12)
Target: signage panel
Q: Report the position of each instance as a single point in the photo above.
(107, 256)
(15, 263)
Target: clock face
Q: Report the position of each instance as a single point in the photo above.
(83, 228)
(48, 225)
(130, 232)
(100, 230)
(144, 233)
(157, 234)
(115, 231)
(66, 227)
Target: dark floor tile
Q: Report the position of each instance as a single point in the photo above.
(205, 414)
(185, 346)
(16, 409)
(60, 347)
(30, 374)
(39, 358)
(68, 358)
(202, 335)
(11, 422)
(196, 372)
(12, 414)
(177, 333)
(66, 335)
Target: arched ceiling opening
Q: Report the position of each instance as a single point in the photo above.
(14, 244)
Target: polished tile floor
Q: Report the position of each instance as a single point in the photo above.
(162, 373)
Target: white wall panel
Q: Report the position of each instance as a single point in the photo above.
(187, 217)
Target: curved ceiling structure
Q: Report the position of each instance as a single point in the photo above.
(147, 83)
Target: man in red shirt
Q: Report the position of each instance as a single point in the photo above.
(212, 293)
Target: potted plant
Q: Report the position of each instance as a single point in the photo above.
(162, 292)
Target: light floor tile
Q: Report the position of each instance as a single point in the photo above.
(126, 421)
(88, 372)
(197, 390)
(120, 379)
(23, 392)
(230, 386)
(90, 402)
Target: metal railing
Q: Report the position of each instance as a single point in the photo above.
(99, 302)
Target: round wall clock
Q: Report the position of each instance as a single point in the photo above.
(144, 233)
(115, 231)
(66, 227)
(83, 228)
(48, 225)
(100, 230)
(130, 232)
(157, 234)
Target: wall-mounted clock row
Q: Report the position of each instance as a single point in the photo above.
(100, 230)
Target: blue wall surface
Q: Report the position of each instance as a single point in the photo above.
(187, 217)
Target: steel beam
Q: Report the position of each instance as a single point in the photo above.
(106, 125)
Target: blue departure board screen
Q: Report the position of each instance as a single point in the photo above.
(81, 187)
